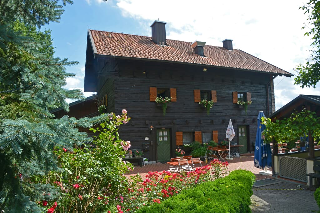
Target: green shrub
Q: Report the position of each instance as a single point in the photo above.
(229, 194)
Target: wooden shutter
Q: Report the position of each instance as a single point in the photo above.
(197, 96)
(153, 93)
(173, 94)
(234, 97)
(214, 96)
(106, 100)
(198, 136)
(179, 138)
(248, 96)
(215, 136)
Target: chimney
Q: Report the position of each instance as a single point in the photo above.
(198, 47)
(227, 43)
(159, 32)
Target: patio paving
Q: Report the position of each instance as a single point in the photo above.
(270, 194)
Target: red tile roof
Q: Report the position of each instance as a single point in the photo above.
(142, 47)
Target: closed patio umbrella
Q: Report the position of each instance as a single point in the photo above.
(230, 134)
(262, 152)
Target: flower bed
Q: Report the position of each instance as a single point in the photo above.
(160, 186)
(229, 194)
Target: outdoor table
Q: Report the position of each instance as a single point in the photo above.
(138, 160)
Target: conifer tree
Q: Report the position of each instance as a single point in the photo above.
(31, 81)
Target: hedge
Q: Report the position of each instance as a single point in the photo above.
(317, 196)
(228, 194)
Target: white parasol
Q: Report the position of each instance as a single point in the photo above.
(230, 134)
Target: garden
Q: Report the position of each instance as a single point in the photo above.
(91, 179)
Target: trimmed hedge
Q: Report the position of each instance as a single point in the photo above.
(228, 194)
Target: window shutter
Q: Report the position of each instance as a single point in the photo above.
(153, 93)
(248, 96)
(197, 97)
(198, 136)
(214, 96)
(179, 138)
(106, 100)
(234, 97)
(215, 136)
(173, 94)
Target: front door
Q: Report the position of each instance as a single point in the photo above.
(163, 145)
(243, 139)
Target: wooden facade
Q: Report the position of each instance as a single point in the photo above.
(133, 84)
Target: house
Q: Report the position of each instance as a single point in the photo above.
(131, 71)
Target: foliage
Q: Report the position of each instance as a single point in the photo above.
(180, 152)
(198, 149)
(224, 143)
(289, 129)
(92, 175)
(31, 81)
(228, 194)
(102, 109)
(159, 186)
(245, 104)
(138, 153)
(317, 196)
(212, 143)
(207, 104)
(309, 74)
(164, 101)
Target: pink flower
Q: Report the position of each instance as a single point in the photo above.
(64, 149)
(51, 210)
(76, 186)
(124, 111)
(80, 197)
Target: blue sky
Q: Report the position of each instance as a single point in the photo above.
(270, 30)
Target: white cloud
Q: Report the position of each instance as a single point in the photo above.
(270, 30)
(97, 1)
(73, 82)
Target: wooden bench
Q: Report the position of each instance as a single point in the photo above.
(316, 174)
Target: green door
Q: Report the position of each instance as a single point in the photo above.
(243, 140)
(163, 148)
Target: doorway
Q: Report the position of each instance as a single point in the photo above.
(163, 145)
(243, 139)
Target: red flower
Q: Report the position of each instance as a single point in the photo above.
(156, 200)
(76, 186)
(64, 149)
(80, 197)
(51, 210)
(44, 203)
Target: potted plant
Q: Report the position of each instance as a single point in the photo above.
(180, 152)
(224, 144)
(138, 153)
(164, 101)
(207, 104)
(198, 150)
(245, 104)
(145, 161)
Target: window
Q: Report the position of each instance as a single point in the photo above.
(205, 95)
(163, 92)
(206, 137)
(187, 137)
(209, 95)
(241, 96)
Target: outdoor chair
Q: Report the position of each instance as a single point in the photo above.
(174, 165)
(184, 165)
(196, 161)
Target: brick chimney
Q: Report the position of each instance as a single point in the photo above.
(198, 47)
(227, 43)
(159, 32)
